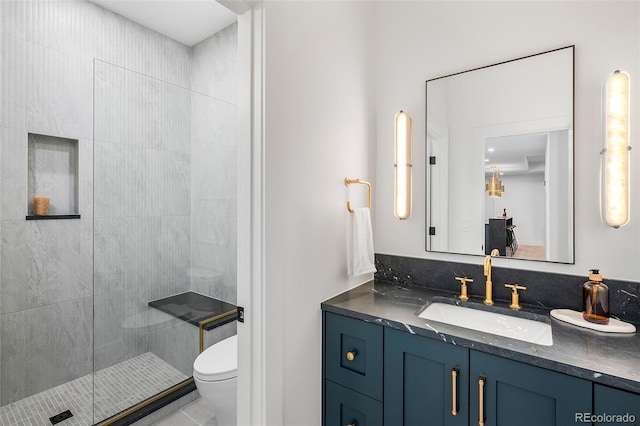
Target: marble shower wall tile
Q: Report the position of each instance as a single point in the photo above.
(45, 347)
(79, 26)
(216, 265)
(58, 95)
(175, 342)
(12, 341)
(45, 263)
(214, 197)
(217, 334)
(214, 63)
(138, 259)
(120, 180)
(1, 331)
(85, 178)
(174, 257)
(135, 109)
(13, 174)
(13, 56)
(12, 18)
(120, 328)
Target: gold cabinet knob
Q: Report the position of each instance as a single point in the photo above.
(351, 355)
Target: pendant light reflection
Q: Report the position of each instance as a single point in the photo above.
(494, 187)
(402, 191)
(615, 155)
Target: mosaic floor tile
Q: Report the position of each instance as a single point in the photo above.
(115, 388)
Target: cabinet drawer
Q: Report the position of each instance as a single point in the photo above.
(353, 354)
(345, 407)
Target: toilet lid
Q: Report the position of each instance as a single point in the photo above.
(218, 362)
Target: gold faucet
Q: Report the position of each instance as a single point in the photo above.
(488, 299)
(515, 297)
(463, 287)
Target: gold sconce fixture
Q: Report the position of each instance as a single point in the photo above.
(494, 187)
(615, 154)
(402, 189)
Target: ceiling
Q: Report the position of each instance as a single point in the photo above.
(517, 154)
(186, 21)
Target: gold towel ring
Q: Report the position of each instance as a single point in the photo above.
(348, 181)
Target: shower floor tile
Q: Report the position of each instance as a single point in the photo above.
(116, 388)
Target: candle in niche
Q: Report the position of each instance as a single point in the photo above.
(40, 206)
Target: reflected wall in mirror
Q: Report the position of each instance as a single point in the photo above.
(515, 117)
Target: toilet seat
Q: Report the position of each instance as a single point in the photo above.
(218, 362)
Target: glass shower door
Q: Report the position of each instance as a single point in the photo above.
(142, 215)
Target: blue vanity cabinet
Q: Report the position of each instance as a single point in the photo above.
(346, 407)
(614, 402)
(513, 393)
(352, 365)
(426, 381)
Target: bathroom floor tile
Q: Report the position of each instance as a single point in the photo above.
(200, 412)
(107, 392)
(177, 419)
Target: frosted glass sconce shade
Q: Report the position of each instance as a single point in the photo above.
(615, 155)
(402, 192)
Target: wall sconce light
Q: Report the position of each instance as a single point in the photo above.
(402, 192)
(494, 187)
(615, 154)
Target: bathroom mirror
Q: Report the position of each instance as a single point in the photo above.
(512, 123)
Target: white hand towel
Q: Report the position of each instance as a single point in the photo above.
(360, 256)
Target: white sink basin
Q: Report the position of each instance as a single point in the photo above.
(490, 322)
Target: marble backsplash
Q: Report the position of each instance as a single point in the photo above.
(544, 289)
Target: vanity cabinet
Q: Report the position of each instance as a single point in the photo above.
(430, 382)
(353, 352)
(615, 402)
(426, 381)
(505, 392)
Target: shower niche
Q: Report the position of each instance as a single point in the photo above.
(52, 177)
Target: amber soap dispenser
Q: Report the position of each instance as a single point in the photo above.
(595, 299)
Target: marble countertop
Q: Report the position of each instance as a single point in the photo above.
(609, 359)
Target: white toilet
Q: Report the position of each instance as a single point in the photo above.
(215, 372)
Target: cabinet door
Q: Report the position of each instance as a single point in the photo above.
(346, 407)
(514, 393)
(353, 354)
(622, 407)
(426, 382)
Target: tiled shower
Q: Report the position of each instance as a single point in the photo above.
(132, 136)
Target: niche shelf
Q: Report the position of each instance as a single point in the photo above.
(53, 173)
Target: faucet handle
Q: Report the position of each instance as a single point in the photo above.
(463, 287)
(515, 297)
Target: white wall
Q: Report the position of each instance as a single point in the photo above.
(421, 40)
(319, 128)
(524, 200)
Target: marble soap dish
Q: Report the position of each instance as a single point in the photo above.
(575, 318)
